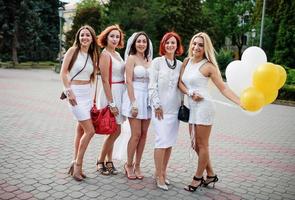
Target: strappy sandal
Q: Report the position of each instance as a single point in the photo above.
(77, 178)
(210, 179)
(111, 168)
(129, 176)
(192, 188)
(71, 170)
(101, 168)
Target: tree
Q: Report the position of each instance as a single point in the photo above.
(88, 12)
(285, 40)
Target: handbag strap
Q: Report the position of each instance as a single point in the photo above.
(81, 69)
(110, 81)
(184, 65)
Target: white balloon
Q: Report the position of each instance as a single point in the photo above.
(238, 76)
(253, 57)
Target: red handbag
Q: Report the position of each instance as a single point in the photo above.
(103, 120)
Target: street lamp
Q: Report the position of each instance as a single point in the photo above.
(253, 34)
(60, 14)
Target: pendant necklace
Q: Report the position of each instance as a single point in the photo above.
(169, 65)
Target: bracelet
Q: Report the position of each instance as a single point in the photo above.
(190, 93)
(134, 104)
(112, 104)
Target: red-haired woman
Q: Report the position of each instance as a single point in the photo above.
(112, 94)
(165, 98)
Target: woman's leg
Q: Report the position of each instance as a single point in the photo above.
(209, 168)
(159, 154)
(107, 148)
(88, 134)
(135, 126)
(202, 141)
(140, 147)
(78, 136)
(166, 160)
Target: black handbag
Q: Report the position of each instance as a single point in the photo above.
(183, 113)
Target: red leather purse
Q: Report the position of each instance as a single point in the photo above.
(103, 120)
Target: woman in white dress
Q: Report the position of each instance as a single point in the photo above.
(165, 99)
(112, 94)
(138, 57)
(77, 86)
(202, 66)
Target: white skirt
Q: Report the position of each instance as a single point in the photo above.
(141, 96)
(117, 92)
(166, 130)
(84, 102)
(201, 112)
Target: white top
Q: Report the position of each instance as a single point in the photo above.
(79, 64)
(163, 86)
(118, 68)
(140, 73)
(194, 80)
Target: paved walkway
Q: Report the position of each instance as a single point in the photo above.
(254, 156)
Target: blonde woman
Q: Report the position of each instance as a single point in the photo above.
(200, 68)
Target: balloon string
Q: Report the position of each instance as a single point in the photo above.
(223, 103)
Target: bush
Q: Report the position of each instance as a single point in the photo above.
(224, 57)
(287, 93)
(290, 76)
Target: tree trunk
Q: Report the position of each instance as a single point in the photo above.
(15, 44)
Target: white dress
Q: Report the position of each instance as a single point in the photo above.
(164, 92)
(140, 87)
(81, 111)
(201, 112)
(118, 87)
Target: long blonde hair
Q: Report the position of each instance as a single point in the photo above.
(208, 48)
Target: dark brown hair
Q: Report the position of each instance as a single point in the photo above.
(133, 48)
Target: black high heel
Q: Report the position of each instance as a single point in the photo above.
(191, 188)
(213, 179)
(100, 167)
(111, 168)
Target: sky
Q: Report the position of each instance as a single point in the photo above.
(69, 1)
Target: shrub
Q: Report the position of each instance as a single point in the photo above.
(224, 57)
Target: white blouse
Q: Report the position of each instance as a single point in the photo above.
(163, 86)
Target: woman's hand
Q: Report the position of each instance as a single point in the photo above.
(71, 97)
(159, 113)
(114, 110)
(134, 112)
(197, 97)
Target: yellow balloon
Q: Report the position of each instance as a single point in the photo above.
(266, 77)
(252, 99)
(269, 97)
(282, 76)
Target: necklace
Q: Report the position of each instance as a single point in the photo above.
(169, 65)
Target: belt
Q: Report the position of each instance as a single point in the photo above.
(118, 82)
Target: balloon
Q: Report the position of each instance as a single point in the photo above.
(282, 76)
(253, 112)
(270, 96)
(238, 76)
(252, 99)
(266, 77)
(253, 57)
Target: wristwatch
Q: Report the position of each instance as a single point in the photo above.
(112, 104)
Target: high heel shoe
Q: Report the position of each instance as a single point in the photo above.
(71, 170)
(192, 188)
(210, 179)
(130, 177)
(163, 187)
(111, 168)
(167, 182)
(76, 177)
(138, 176)
(100, 167)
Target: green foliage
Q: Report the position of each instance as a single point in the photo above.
(29, 30)
(285, 40)
(287, 93)
(224, 57)
(290, 76)
(90, 13)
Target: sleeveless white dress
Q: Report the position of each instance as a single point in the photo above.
(164, 92)
(140, 86)
(201, 112)
(118, 87)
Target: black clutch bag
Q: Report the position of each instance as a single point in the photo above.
(183, 113)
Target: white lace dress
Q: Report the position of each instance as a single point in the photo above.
(201, 112)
